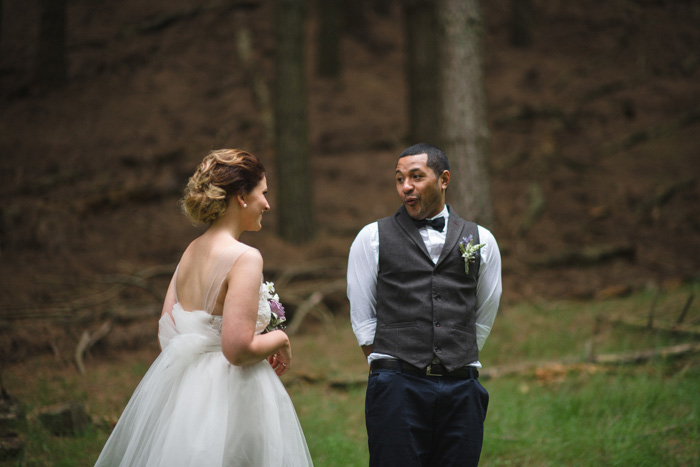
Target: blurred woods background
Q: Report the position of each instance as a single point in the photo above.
(571, 129)
(571, 126)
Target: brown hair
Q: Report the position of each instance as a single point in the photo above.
(221, 174)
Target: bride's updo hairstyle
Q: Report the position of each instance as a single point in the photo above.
(221, 174)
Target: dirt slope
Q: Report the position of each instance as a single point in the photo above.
(594, 147)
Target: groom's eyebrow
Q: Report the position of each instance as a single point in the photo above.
(413, 171)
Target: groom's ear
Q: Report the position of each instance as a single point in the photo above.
(444, 179)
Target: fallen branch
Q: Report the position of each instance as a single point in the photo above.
(678, 329)
(663, 195)
(521, 368)
(309, 304)
(312, 268)
(572, 363)
(340, 385)
(643, 136)
(112, 198)
(585, 256)
(133, 281)
(648, 354)
(133, 313)
(684, 312)
(87, 341)
(164, 21)
(314, 303)
(82, 309)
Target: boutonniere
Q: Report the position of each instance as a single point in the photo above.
(277, 317)
(468, 249)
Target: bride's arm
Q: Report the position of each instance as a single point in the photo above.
(169, 301)
(240, 345)
(165, 333)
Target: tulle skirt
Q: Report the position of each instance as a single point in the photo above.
(193, 408)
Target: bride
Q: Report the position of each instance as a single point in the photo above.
(213, 396)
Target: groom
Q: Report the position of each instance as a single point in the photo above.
(421, 312)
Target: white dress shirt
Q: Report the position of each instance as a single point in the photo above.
(363, 266)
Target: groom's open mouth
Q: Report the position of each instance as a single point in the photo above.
(410, 201)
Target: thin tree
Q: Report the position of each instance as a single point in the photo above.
(295, 211)
(447, 96)
(328, 40)
(520, 23)
(51, 56)
(422, 67)
(356, 19)
(464, 133)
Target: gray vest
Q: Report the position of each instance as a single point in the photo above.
(425, 310)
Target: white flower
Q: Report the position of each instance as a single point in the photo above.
(277, 314)
(269, 289)
(468, 249)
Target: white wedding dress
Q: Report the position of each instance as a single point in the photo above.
(194, 408)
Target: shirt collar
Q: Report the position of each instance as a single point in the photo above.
(444, 213)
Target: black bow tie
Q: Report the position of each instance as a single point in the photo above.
(438, 223)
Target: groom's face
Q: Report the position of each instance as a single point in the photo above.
(422, 192)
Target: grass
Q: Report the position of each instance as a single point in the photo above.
(333, 423)
(583, 414)
(629, 416)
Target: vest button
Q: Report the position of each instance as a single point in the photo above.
(438, 349)
(437, 324)
(436, 296)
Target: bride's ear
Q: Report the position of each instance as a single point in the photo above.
(241, 201)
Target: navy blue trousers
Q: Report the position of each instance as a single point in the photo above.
(424, 420)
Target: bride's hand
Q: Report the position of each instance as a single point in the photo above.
(281, 360)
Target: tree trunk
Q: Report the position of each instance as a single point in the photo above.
(356, 19)
(328, 38)
(0, 24)
(254, 77)
(464, 134)
(382, 7)
(520, 25)
(51, 57)
(295, 211)
(422, 43)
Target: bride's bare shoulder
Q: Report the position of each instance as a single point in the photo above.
(231, 252)
(203, 254)
(245, 258)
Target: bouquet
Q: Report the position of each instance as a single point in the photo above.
(277, 317)
(468, 249)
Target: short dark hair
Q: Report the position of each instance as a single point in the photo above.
(437, 159)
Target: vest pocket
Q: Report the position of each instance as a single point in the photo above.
(401, 325)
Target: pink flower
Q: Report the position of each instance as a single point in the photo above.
(277, 308)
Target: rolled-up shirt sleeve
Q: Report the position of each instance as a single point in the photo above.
(489, 286)
(363, 263)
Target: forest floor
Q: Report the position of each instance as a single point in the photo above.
(594, 153)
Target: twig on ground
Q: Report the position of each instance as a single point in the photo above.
(572, 363)
(684, 311)
(87, 341)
